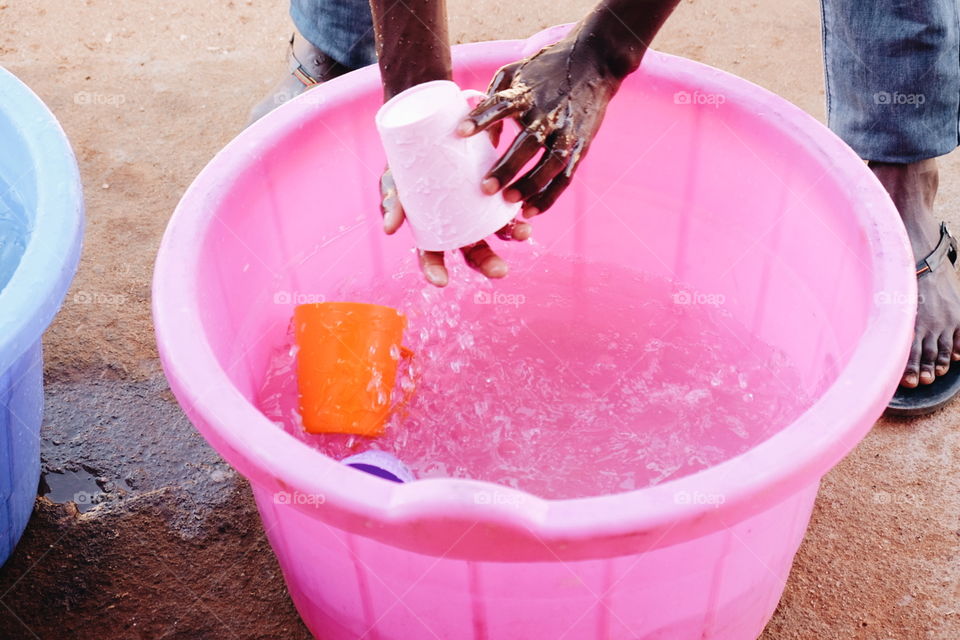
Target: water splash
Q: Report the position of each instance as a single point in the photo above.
(568, 379)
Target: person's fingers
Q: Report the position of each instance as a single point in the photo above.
(431, 263)
(390, 204)
(928, 355)
(516, 230)
(489, 112)
(501, 81)
(482, 258)
(534, 181)
(524, 147)
(494, 132)
(502, 78)
(543, 200)
(956, 346)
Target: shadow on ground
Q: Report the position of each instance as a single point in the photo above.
(169, 544)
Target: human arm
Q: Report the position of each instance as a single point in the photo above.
(413, 47)
(559, 97)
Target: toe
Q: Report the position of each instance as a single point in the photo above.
(928, 359)
(956, 346)
(944, 351)
(911, 373)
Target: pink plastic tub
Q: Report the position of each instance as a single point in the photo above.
(696, 175)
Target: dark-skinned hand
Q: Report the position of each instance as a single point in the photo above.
(558, 97)
(478, 255)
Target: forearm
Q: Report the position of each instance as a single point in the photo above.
(412, 42)
(621, 31)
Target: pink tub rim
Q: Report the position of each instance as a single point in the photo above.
(509, 524)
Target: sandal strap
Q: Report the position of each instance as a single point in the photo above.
(946, 248)
(298, 70)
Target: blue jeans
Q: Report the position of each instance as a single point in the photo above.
(892, 68)
(342, 29)
(893, 76)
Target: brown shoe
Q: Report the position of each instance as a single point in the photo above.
(308, 67)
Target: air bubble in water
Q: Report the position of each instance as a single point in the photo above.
(480, 408)
(465, 340)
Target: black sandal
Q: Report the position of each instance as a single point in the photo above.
(927, 398)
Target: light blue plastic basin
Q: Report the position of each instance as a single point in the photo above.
(41, 230)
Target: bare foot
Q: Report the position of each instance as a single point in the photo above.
(317, 64)
(936, 341)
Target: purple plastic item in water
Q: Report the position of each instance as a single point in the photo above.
(381, 464)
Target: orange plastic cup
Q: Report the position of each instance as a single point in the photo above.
(347, 365)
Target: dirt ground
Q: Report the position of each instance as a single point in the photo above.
(148, 91)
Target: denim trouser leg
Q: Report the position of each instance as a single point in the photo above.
(342, 29)
(893, 76)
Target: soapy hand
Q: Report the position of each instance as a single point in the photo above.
(478, 255)
(558, 97)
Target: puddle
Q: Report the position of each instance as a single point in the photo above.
(79, 487)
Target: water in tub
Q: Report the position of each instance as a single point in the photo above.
(566, 379)
(13, 232)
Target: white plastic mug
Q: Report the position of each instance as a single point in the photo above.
(438, 172)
